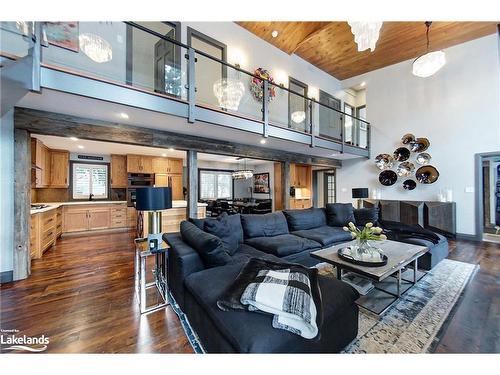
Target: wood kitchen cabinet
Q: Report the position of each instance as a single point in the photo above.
(41, 163)
(139, 164)
(75, 220)
(300, 175)
(118, 171)
(59, 169)
(82, 218)
(43, 232)
(160, 165)
(174, 166)
(172, 180)
(99, 218)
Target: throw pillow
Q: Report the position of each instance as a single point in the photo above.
(228, 229)
(339, 214)
(305, 219)
(208, 246)
(267, 225)
(366, 215)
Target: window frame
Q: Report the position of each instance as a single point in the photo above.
(71, 177)
(351, 117)
(325, 96)
(193, 33)
(224, 171)
(326, 174)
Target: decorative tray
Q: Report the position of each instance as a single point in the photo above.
(350, 254)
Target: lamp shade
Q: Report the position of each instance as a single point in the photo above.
(360, 193)
(153, 198)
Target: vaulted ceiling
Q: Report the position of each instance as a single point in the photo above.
(330, 45)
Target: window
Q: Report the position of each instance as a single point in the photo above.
(216, 184)
(329, 120)
(297, 106)
(90, 179)
(329, 187)
(363, 132)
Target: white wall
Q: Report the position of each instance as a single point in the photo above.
(457, 109)
(7, 191)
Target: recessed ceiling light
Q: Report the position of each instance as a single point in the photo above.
(275, 33)
(171, 149)
(80, 146)
(263, 141)
(123, 115)
(363, 84)
(73, 138)
(164, 155)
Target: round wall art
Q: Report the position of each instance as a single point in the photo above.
(407, 138)
(405, 169)
(420, 144)
(387, 177)
(401, 154)
(384, 161)
(409, 184)
(424, 158)
(427, 174)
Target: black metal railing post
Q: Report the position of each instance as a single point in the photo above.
(36, 56)
(312, 124)
(191, 71)
(265, 109)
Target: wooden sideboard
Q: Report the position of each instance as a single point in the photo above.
(436, 216)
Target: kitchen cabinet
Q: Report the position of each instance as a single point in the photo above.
(300, 175)
(175, 166)
(139, 164)
(82, 218)
(59, 169)
(160, 165)
(40, 162)
(131, 217)
(118, 171)
(300, 204)
(172, 180)
(42, 232)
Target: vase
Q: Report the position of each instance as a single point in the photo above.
(363, 247)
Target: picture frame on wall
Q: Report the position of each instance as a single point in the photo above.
(63, 34)
(261, 183)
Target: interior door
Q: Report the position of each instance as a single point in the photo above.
(166, 68)
(329, 188)
(330, 121)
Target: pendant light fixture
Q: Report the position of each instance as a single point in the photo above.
(243, 174)
(365, 34)
(428, 64)
(95, 47)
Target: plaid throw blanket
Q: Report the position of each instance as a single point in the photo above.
(289, 292)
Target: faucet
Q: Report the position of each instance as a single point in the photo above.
(90, 196)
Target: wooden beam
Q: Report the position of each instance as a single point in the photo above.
(192, 182)
(22, 201)
(285, 181)
(310, 36)
(49, 123)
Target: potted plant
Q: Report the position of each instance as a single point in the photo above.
(362, 236)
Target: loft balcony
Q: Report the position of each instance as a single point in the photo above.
(139, 67)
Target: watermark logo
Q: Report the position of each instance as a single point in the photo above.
(11, 341)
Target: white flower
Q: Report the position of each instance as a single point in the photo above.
(346, 229)
(369, 225)
(377, 230)
(351, 225)
(383, 237)
(353, 234)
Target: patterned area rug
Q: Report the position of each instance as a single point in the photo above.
(412, 325)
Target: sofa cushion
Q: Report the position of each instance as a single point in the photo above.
(209, 247)
(256, 335)
(200, 223)
(245, 252)
(366, 215)
(325, 235)
(339, 214)
(228, 229)
(282, 245)
(305, 219)
(267, 225)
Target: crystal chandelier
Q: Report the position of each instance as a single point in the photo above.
(95, 47)
(298, 116)
(229, 92)
(428, 64)
(365, 34)
(242, 174)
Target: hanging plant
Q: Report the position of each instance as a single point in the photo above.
(256, 84)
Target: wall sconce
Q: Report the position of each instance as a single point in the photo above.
(281, 77)
(237, 57)
(313, 93)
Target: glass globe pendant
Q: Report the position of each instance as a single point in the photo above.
(428, 64)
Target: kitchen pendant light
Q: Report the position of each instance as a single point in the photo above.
(428, 64)
(242, 174)
(365, 34)
(96, 48)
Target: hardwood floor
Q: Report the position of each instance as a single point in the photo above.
(81, 295)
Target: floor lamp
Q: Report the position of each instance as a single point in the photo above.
(153, 200)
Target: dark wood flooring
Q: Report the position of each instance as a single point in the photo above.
(81, 295)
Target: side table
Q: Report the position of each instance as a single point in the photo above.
(142, 252)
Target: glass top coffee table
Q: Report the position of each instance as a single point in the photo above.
(391, 280)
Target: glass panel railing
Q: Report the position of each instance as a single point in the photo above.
(15, 39)
(356, 132)
(119, 53)
(329, 122)
(289, 110)
(226, 88)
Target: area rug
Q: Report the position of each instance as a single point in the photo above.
(412, 325)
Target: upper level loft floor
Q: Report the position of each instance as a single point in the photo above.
(143, 75)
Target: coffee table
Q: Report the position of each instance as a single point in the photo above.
(390, 280)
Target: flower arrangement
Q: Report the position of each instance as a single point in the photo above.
(256, 84)
(368, 233)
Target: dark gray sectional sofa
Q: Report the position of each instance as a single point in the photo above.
(203, 265)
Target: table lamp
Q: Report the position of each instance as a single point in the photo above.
(360, 194)
(153, 200)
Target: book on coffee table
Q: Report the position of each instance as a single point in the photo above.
(361, 284)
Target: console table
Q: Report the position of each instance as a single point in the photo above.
(436, 216)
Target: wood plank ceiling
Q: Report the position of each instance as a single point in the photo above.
(330, 45)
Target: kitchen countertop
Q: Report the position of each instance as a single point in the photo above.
(54, 205)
